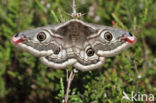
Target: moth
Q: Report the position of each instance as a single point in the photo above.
(77, 43)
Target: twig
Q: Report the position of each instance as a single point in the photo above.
(69, 80)
(75, 14)
(67, 75)
(145, 55)
(74, 7)
(137, 73)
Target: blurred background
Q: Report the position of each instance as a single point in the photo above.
(24, 79)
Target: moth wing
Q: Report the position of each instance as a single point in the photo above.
(41, 41)
(110, 41)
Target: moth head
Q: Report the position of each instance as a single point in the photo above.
(111, 41)
(36, 41)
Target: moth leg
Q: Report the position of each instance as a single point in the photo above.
(91, 66)
(57, 65)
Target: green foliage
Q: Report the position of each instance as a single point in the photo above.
(62, 92)
(23, 78)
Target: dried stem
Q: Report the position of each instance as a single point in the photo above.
(145, 56)
(74, 8)
(69, 80)
(137, 73)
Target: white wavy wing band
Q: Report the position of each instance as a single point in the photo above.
(91, 66)
(34, 51)
(57, 65)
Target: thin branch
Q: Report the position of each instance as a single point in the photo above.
(74, 7)
(74, 11)
(145, 56)
(69, 80)
(67, 75)
(137, 73)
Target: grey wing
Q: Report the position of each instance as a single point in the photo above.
(43, 42)
(39, 41)
(104, 42)
(110, 41)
